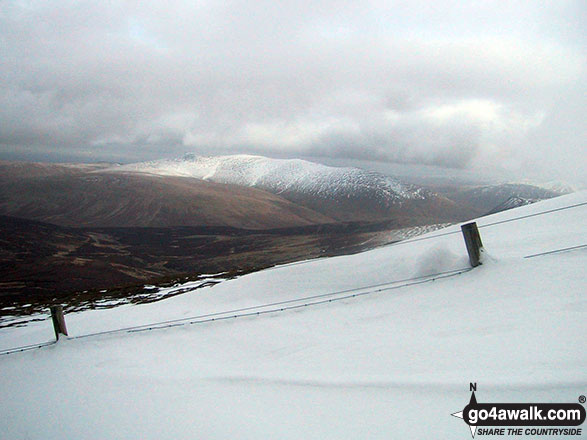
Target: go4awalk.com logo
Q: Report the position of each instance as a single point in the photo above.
(517, 419)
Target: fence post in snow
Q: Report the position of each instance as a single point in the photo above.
(58, 321)
(473, 243)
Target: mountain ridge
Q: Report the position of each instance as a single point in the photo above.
(342, 193)
(74, 197)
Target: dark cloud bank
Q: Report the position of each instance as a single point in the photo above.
(495, 86)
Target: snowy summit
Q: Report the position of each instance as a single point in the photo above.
(280, 176)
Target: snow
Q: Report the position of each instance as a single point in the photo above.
(277, 175)
(557, 186)
(389, 364)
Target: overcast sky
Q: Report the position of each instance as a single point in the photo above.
(476, 85)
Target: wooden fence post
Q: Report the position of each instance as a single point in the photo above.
(473, 243)
(58, 321)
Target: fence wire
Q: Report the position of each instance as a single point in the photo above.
(287, 304)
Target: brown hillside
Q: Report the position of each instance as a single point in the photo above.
(72, 196)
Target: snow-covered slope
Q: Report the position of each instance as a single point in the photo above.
(394, 361)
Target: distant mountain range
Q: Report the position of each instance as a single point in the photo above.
(282, 176)
(339, 193)
(489, 199)
(511, 203)
(241, 191)
(69, 228)
(78, 196)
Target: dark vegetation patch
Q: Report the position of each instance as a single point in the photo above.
(43, 264)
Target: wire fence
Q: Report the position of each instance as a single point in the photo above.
(522, 217)
(556, 251)
(283, 305)
(261, 309)
(307, 301)
(27, 347)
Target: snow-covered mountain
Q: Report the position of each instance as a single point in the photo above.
(555, 186)
(343, 193)
(511, 203)
(283, 176)
(493, 198)
(375, 345)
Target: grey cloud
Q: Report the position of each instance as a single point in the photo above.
(445, 83)
(413, 140)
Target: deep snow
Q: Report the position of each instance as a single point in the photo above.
(390, 364)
